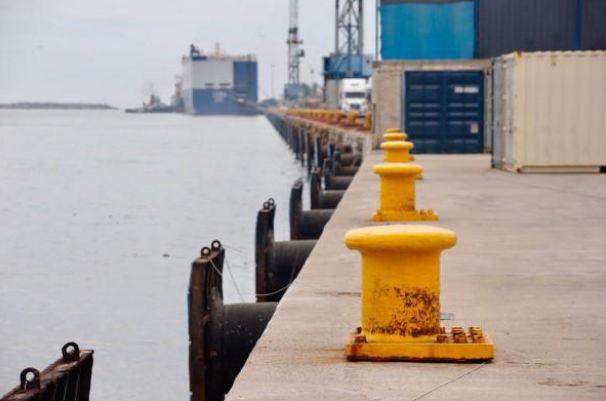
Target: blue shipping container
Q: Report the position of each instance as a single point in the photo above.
(428, 30)
(527, 25)
(592, 16)
(342, 66)
(444, 111)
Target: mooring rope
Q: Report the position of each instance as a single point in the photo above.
(233, 279)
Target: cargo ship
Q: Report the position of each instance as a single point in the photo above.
(218, 84)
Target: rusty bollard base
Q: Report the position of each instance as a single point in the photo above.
(404, 215)
(401, 299)
(451, 346)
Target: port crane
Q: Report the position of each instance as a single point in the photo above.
(292, 90)
(349, 31)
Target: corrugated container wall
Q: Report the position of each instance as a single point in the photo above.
(427, 29)
(331, 93)
(540, 25)
(550, 112)
(594, 24)
(526, 25)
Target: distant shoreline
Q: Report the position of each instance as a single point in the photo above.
(56, 106)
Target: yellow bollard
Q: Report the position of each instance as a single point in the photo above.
(393, 130)
(394, 136)
(338, 117)
(367, 121)
(398, 193)
(401, 299)
(397, 151)
(352, 117)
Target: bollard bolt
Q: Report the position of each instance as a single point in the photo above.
(397, 201)
(401, 298)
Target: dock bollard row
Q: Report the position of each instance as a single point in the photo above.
(400, 316)
(397, 177)
(223, 335)
(336, 117)
(312, 144)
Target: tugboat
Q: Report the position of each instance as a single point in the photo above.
(155, 105)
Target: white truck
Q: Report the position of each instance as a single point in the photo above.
(353, 95)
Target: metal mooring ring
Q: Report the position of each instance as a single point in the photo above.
(70, 356)
(27, 384)
(216, 245)
(205, 251)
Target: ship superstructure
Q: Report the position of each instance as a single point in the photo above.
(219, 84)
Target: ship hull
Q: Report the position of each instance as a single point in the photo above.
(216, 102)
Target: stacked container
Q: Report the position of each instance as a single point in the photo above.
(465, 29)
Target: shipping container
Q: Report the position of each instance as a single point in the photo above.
(427, 29)
(444, 111)
(459, 29)
(549, 112)
(593, 31)
(331, 93)
(343, 66)
(540, 25)
(526, 25)
(443, 105)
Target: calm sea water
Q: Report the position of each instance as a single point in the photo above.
(102, 212)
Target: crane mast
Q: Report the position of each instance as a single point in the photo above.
(295, 53)
(349, 29)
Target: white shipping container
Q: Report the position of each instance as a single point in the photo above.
(331, 93)
(549, 111)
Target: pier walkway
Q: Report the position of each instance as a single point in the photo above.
(529, 267)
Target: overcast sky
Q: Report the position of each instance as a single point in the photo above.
(113, 51)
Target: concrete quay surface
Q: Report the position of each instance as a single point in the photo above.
(529, 267)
